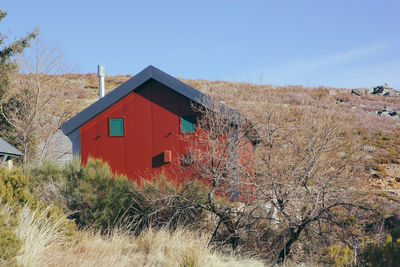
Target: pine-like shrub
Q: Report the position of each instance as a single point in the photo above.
(96, 196)
(14, 187)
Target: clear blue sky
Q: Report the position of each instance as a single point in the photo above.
(341, 43)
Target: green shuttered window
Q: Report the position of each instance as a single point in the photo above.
(117, 127)
(188, 124)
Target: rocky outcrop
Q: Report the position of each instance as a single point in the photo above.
(385, 90)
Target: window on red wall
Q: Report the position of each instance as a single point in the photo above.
(116, 126)
(188, 124)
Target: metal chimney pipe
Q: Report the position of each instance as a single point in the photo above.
(102, 86)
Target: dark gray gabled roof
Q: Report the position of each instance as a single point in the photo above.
(7, 149)
(131, 85)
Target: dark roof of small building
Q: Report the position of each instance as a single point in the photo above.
(7, 149)
(131, 85)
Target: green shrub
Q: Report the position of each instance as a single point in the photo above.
(339, 256)
(10, 244)
(383, 254)
(14, 187)
(98, 197)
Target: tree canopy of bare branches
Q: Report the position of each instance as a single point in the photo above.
(309, 173)
(34, 106)
(299, 172)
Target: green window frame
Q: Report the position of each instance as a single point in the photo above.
(116, 126)
(188, 124)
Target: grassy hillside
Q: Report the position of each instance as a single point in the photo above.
(173, 227)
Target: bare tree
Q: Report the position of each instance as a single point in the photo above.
(303, 176)
(309, 171)
(34, 106)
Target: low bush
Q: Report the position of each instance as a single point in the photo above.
(15, 198)
(339, 256)
(99, 198)
(161, 203)
(48, 183)
(385, 254)
(96, 196)
(14, 187)
(10, 244)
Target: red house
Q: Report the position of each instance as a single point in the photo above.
(137, 128)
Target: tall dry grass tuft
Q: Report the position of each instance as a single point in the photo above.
(41, 236)
(45, 244)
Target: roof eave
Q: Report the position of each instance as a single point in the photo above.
(11, 154)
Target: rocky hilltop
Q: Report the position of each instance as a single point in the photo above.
(384, 90)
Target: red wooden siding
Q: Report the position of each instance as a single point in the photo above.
(152, 125)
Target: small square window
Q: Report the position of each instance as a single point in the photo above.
(188, 124)
(116, 127)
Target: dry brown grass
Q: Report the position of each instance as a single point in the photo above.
(45, 244)
(362, 108)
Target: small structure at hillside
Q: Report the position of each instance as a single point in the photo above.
(7, 152)
(138, 127)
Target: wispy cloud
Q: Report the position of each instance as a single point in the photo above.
(299, 69)
(343, 57)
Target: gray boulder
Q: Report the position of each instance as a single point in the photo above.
(357, 91)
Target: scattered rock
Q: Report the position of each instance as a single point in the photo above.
(369, 148)
(376, 176)
(388, 112)
(358, 92)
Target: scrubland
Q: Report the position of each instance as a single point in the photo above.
(86, 216)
